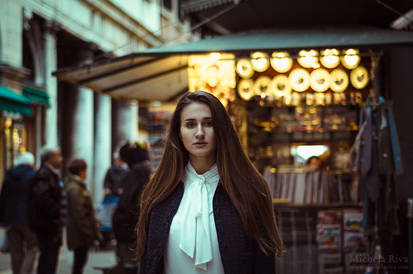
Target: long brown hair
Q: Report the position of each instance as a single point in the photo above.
(245, 186)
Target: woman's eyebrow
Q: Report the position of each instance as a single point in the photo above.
(193, 119)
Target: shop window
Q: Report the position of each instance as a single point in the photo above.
(302, 153)
(15, 140)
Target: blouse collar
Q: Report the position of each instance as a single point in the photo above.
(211, 176)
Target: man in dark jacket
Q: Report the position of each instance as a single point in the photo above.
(47, 209)
(13, 204)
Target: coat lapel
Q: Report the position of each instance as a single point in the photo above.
(158, 231)
(234, 245)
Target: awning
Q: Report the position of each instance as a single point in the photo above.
(161, 73)
(13, 102)
(36, 96)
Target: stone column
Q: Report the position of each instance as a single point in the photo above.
(134, 120)
(51, 135)
(77, 122)
(102, 145)
(124, 122)
(83, 137)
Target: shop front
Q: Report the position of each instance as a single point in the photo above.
(13, 136)
(310, 110)
(18, 116)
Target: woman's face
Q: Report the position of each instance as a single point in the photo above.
(197, 131)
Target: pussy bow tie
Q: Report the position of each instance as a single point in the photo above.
(195, 236)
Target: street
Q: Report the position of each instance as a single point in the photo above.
(101, 259)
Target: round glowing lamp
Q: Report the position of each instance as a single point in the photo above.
(359, 77)
(299, 79)
(260, 61)
(350, 58)
(320, 80)
(262, 85)
(280, 85)
(281, 61)
(339, 80)
(244, 68)
(308, 58)
(246, 89)
(330, 58)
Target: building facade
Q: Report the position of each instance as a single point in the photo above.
(38, 37)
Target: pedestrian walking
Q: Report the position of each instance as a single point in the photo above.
(82, 226)
(13, 203)
(206, 209)
(47, 209)
(126, 214)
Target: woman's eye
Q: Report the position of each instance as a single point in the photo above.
(208, 124)
(190, 124)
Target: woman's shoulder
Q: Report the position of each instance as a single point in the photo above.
(170, 202)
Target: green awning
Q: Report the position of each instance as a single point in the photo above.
(36, 96)
(162, 73)
(13, 102)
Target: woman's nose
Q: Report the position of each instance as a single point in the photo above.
(199, 131)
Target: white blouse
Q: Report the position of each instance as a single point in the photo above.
(192, 245)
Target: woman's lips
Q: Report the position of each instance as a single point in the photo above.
(200, 144)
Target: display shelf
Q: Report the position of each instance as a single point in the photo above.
(269, 138)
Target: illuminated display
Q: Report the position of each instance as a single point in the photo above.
(281, 61)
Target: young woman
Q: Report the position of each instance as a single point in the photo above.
(206, 209)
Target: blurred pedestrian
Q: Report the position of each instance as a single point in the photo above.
(314, 163)
(47, 209)
(113, 179)
(82, 226)
(206, 209)
(13, 202)
(126, 214)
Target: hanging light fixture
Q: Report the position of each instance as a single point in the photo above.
(299, 79)
(339, 80)
(359, 77)
(280, 85)
(308, 58)
(320, 80)
(330, 58)
(244, 68)
(214, 56)
(281, 61)
(246, 89)
(262, 85)
(350, 58)
(260, 61)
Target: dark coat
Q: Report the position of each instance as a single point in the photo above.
(126, 214)
(80, 222)
(113, 179)
(45, 202)
(239, 253)
(13, 197)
